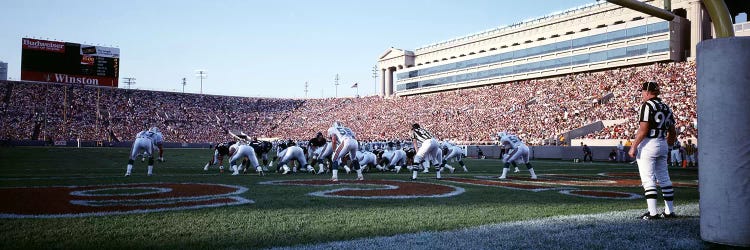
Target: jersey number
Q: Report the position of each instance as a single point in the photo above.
(346, 132)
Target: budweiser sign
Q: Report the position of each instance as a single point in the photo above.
(34, 44)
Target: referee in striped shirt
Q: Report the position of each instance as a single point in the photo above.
(655, 136)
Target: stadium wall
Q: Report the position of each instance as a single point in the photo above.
(74, 143)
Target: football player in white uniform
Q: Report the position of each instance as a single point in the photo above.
(343, 142)
(392, 158)
(290, 152)
(428, 151)
(320, 151)
(453, 152)
(239, 151)
(517, 150)
(144, 143)
(366, 159)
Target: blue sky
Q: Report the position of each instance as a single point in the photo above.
(256, 48)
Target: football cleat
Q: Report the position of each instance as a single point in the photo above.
(360, 178)
(668, 216)
(501, 177)
(648, 216)
(334, 179)
(127, 174)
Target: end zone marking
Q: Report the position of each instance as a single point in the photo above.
(82, 201)
(380, 189)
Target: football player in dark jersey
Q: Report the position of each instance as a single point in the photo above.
(220, 150)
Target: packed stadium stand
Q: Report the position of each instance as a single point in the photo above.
(538, 110)
(568, 75)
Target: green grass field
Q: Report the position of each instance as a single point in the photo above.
(287, 215)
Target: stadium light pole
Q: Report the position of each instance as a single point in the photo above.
(336, 82)
(375, 77)
(306, 85)
(201, 74)
(129, 81)
(184, 82)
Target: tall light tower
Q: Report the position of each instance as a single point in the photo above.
(336, 82)
(129, 81)
(201, 74)
(375, 77)
(184, 82)
(306, 85)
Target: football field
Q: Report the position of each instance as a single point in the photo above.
(78, 198)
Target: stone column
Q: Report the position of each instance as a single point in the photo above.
(695, 14)
(382, 83)
(389, 82)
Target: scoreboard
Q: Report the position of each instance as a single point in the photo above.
(65, 62)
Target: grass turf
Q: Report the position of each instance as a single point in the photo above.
(284, 215)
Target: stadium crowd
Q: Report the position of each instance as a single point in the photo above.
(539, 111)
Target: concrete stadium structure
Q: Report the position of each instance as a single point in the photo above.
(593, 37)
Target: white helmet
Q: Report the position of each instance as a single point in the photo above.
(500, 134)
(154, 129)
(337, 124)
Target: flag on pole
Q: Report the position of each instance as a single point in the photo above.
(355, 85)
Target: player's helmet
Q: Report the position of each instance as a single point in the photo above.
(500, 134)
(319, 134)
(290, 143)
(154, 129)
(415, 126)
(337, 124)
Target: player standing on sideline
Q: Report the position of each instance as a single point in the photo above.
(429, 150)
(517, 151)
(587, 153)
(620, 152)
(220, 150)
(344, 142)
(690, 151)
(676, 154)
(145, 142)
(656, 123)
